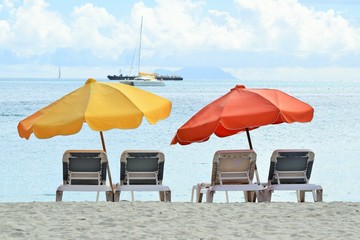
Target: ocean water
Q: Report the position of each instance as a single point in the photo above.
(31, 170)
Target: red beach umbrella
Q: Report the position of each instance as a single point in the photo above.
(243, 109)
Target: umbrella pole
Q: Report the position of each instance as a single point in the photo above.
(108, 168)
(251, 195)
(249, 139)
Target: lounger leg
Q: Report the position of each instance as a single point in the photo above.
(259, 196)
(200, 196)
(314, 195)
(168, 196)
(254, 196)
(59, 195)
(250, 196)
(319, 195)
(198, 193)
(209, 196)
(162, 196)
(109, 196)
(264, 195)
(227, 196)
(132, 196)
(97, 196)
(301, 196)
(192, 193)
(246, 196)
(117, 196)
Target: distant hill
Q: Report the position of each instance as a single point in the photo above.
(198, 73)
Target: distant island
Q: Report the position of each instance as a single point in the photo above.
(198, 73)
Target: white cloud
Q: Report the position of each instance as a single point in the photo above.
(290, 26)
(176, 29)
(4, 30)
(227, 32)
(35, 30)
(8, 4)
(190, 27)
(284, 26)
(94, 28)
(171, 25)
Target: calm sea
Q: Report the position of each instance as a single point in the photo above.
(31, 169)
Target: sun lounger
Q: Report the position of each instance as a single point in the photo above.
(84, 171)
(143, 171)
(233, 170)
(291, 170)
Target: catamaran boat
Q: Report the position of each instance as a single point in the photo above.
(143, 79)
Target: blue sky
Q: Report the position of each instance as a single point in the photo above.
(99, 37)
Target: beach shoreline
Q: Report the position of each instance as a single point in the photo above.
(179, 220)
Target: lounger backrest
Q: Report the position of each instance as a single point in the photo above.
(233, 167)
(293, 166)
(133, 161)
(84, 165)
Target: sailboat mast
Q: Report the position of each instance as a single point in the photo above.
(140, 44)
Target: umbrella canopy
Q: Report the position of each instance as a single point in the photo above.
(243, 109)
(103, 106)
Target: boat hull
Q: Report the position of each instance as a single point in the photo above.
(142, 83)
(169, 78)
(120, 77)
(159, 77)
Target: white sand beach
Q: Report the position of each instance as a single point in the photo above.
(156, 220)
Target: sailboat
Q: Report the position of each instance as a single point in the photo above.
(59, 76)
(142, 79)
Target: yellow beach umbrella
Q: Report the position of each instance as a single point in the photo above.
(102, 105)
